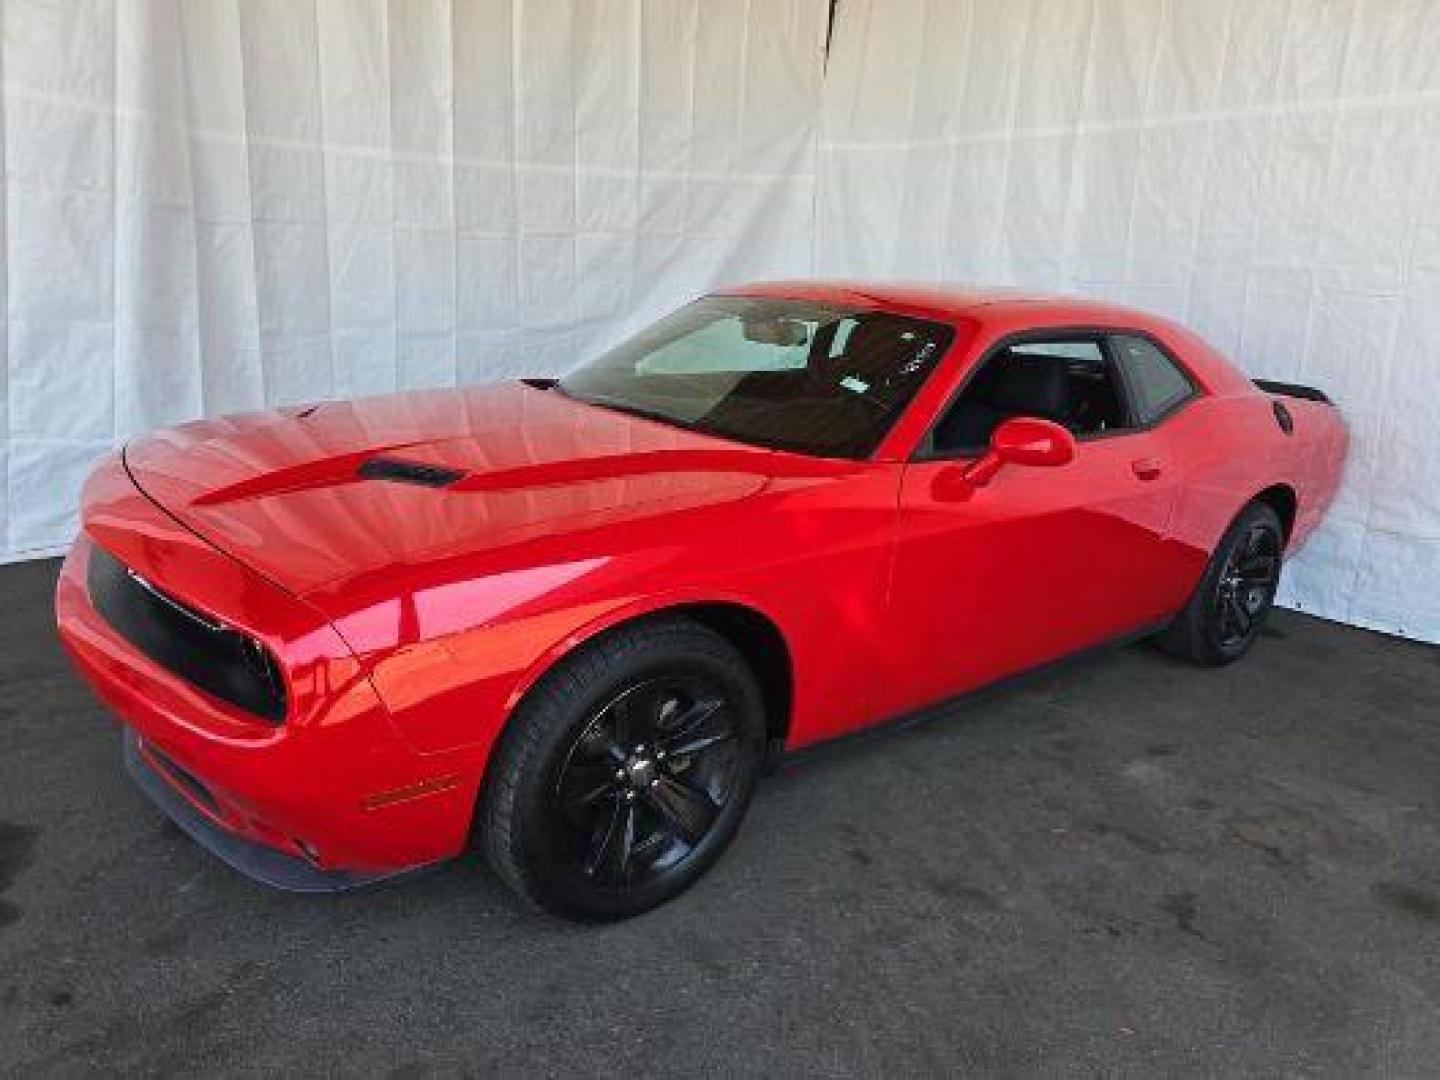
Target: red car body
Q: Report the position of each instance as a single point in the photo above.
(408, 621)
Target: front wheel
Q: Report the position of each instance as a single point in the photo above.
(625, 773)
(1235, 594)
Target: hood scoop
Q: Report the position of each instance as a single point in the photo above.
(408, 472)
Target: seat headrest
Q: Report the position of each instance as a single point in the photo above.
(876, 348)
(1032, 384)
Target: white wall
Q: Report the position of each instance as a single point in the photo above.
(212, 205)
(1267, 171)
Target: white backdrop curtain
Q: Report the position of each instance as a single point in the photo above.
(213, 205)
(1267, 171)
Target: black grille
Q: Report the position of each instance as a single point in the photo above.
(209, 655)
(409, 472)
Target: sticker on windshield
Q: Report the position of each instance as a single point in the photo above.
(854, 385)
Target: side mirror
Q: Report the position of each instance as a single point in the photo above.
(1022, 440)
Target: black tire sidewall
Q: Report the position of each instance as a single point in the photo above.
(564, 706)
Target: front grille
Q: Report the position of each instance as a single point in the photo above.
(224, 663)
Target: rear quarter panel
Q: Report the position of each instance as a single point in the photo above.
(1316, 459)
(1230, 449)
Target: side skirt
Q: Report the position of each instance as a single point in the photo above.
(777, 754)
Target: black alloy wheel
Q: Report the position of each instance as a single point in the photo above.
(1225, 612)
(647, 778)
(1246, 587)
(625, 772)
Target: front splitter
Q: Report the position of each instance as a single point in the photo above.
(256, 861)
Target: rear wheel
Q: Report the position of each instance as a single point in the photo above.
(625, 773)
(1235, 594)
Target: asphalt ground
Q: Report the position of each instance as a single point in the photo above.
(1128, 866)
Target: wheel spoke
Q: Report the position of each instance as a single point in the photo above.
(642, 712)
(699, 743)
(600, 834)
(1227, 628)
(620, 718)
(612, 844)
(586, 783)
(1258, 569)
(688, 809)
(692, 731)
(1240, 616)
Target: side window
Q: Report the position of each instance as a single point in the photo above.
(1067, 380)
(1156, 383)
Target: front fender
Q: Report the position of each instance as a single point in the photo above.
(630, 611)
(455, 693)
(451, 652)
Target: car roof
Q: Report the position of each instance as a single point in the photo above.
(947, 301)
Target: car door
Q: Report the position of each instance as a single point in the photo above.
(1040, 561)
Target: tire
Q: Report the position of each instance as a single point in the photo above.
(625, 772)
(1224, 615)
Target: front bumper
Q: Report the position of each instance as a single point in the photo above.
(333, 789)
(259, 862)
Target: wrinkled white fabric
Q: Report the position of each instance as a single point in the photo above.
(214, 206)
(220, 205)
(1268, 173)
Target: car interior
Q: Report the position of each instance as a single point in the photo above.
(832, 383)
(1070, 383)
(873, 350)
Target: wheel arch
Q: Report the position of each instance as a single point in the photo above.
(1283, 499)
(752, 632)
(759, 640)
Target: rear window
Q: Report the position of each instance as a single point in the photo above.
(1156, 382)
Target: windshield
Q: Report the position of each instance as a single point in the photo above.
(789, 374)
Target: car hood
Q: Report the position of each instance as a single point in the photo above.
(294, 493)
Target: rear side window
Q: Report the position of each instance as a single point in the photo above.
(1156, 383)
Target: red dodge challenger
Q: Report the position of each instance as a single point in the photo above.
(567, 621)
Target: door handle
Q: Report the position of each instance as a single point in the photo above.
(1147, 468)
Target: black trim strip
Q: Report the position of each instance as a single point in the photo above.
(777, 754)
(1294, 390)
